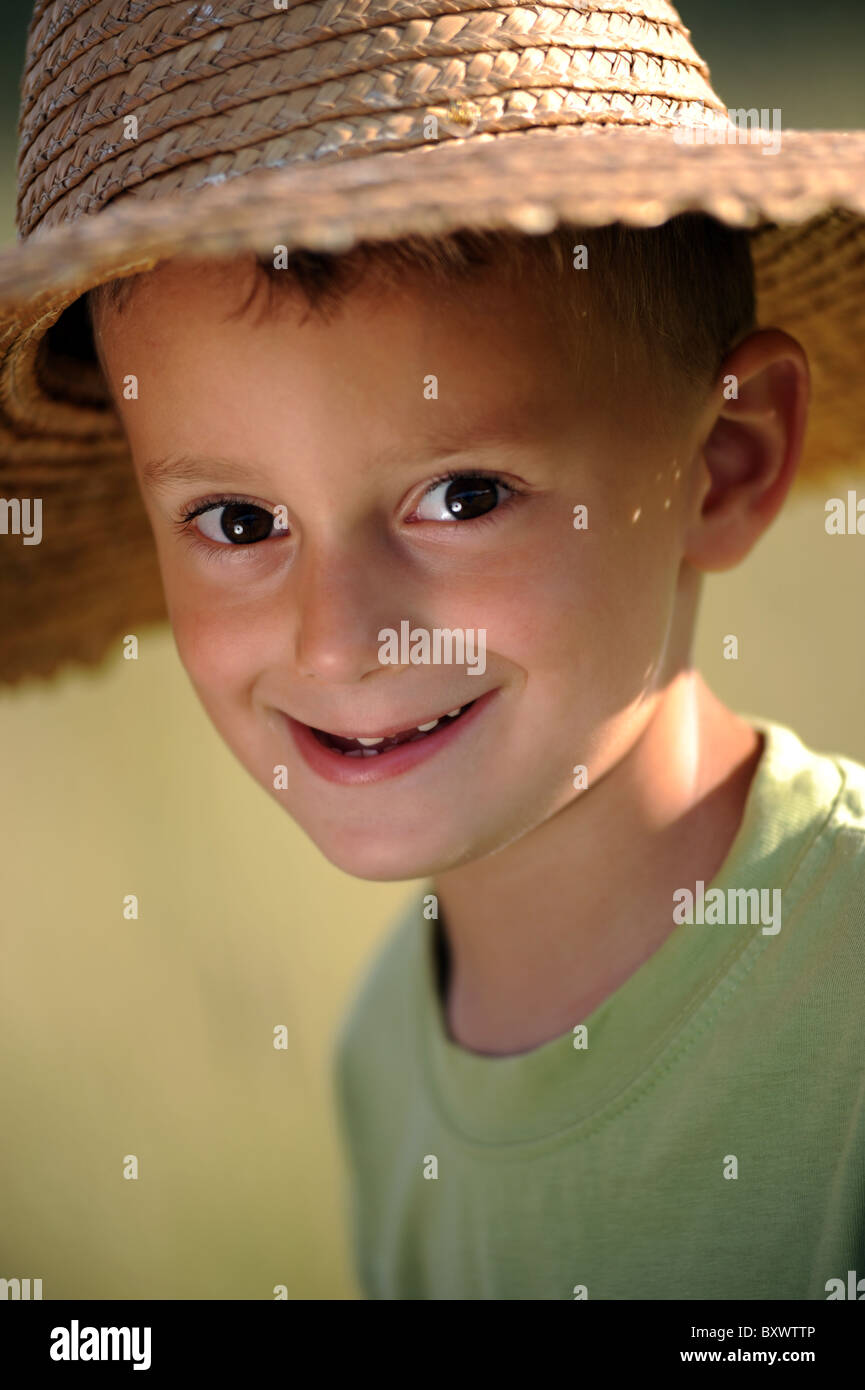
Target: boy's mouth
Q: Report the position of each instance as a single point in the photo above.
(377, 746)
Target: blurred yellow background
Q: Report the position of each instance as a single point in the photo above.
(155, 1037)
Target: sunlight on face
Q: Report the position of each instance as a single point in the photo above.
(294, 471)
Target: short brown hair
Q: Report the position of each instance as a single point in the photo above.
(685, 288)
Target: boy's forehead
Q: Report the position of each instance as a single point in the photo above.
(488, 360)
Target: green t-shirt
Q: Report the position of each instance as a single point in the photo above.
(708, 1141)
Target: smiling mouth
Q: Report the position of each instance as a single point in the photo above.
(377, 747)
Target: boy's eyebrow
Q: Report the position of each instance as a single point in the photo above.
(191, 468)
(194, 468)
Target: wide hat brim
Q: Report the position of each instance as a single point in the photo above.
(61, 441)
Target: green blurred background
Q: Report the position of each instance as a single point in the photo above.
(154, 1037)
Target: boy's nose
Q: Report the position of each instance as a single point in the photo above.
(343, 598)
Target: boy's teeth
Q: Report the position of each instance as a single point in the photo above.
(369, 747)
(422, 728)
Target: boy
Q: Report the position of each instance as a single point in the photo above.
(613, 1051)
(598, 1095)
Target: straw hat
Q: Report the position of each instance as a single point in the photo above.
(150, 128)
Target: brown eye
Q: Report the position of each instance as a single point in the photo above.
(236, 523)
(462, 498)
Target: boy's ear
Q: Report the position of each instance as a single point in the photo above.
(748, 462)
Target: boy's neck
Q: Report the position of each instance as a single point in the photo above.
(539, 934)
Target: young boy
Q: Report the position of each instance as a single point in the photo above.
(433, 485)
(557, 1081)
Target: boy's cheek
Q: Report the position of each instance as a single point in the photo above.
(614, 597)
(224, 636)
(221, 651)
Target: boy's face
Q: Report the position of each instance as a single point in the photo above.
(337, 423)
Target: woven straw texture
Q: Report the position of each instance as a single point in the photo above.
(151, 129)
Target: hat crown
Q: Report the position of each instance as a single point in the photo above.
(147, 99)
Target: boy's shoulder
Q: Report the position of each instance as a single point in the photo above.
(806, 799)
(801, 843)
(849, 810)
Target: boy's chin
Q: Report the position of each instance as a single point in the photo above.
(392, 862)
